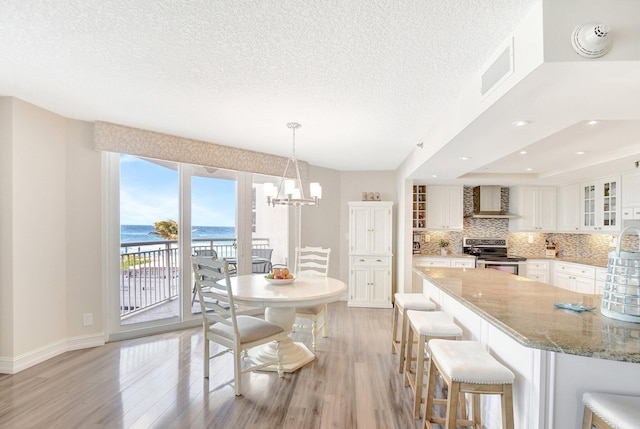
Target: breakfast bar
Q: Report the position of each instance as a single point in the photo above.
(556, 354)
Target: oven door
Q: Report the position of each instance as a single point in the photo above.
(507, 267)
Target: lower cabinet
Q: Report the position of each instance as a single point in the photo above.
(575, 277)
(537, 270)
(370, 282)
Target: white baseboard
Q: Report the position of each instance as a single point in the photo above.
(13, 365)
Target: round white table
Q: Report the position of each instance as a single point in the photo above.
(280, 304)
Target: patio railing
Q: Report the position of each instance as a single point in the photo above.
(149, 269)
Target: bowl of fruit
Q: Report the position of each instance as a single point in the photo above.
(279, 276)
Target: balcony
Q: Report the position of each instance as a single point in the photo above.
(149, 274)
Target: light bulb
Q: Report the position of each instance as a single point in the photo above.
(315, 190)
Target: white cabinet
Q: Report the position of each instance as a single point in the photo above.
(445, 209)
(419, 207)
(370, 235)
(463, 262)
(631, 196)
(575, 277)
(370, 282)
(370, 228)
(536, 207)
(568, 208)
(601, 279)
(538, 270)
(600, 211)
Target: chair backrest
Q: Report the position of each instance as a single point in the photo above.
(262, 253)
(214, 290)
(312, 261)
(206, 252)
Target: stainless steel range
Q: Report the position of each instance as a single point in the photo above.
(492, 253)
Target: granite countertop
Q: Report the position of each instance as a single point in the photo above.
(440, 255)
(596, 262)
(524, 310)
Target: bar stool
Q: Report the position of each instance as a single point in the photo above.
(607, 411)
(406, 301)
(427, 325)
(467, 367)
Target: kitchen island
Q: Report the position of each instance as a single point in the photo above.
(556, 354)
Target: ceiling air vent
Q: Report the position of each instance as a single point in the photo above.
(498, 71)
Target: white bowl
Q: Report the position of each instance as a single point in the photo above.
(280, 281)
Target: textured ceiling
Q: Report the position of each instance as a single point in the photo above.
(367, 79)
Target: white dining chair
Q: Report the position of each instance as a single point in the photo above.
(221, 325)
(312, 261)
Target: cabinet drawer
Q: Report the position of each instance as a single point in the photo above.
(537, 266)
(431, 262)
(463, 263)
(576, 270)
(369, 260)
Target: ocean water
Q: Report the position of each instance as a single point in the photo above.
(138, 233)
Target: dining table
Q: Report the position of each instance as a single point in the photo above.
(280, 302)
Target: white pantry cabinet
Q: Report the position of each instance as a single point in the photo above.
(370, 237)
(445, 208)
(600, 205)
(536, 207)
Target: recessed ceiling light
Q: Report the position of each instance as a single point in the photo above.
(580, 152)
(464, 158)
(529, 169)
(434, 175)
(592, 122)
(523, 152)
(520, 123)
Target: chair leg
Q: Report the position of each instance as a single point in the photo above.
(587, 418)
(205, 356)
(314, 332)
(237, 372)
(507, 407)
(325, 320)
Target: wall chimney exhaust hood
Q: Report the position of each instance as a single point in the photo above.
(487, 203)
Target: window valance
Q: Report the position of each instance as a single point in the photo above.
(134, 141)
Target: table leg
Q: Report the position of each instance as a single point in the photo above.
(294, 354)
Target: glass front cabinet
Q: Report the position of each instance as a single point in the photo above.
(601, 205)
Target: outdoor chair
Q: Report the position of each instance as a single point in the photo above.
(261, 260)
(236, 333)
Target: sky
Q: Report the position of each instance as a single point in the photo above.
(149, 193)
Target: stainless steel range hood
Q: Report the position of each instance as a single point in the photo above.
(487, 203)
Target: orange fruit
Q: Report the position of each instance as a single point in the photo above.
(276, 271)
(285, 271)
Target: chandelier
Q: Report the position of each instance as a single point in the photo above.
(290, 191)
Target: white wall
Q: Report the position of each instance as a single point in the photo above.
(321, 224)
(51, 235)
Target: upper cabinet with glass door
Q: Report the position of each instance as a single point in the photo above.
(600, 211)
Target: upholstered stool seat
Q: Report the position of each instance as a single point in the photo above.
(426, 325)
(406, 301)
(608, 411)
(467, 367)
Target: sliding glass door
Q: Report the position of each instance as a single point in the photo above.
(164, 212)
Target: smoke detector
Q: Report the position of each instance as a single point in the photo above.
(591, 40)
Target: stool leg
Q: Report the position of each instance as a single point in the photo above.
(507, 407)
(403, 339)
(477, 411)
(417, 397)
(394, 329)
(587, 418)
(452, 405)
(408, 355)
(430, 395)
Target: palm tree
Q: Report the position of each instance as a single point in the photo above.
(167, 229)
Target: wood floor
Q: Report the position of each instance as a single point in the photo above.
(157, 382)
